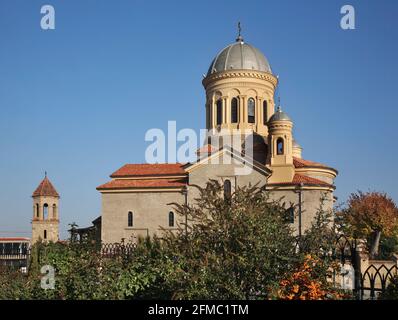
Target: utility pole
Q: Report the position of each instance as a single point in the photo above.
(185, 193)
(300, 200)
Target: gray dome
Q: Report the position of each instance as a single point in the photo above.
(239, 55)
(279, 115)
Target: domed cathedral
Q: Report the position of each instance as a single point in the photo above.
(240, 88)
(45, 221)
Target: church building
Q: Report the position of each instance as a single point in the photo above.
(240, 88)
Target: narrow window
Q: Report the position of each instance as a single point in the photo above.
(290, 215)
(265, 115)
(171, 219)
(219, 112)
(207, 116)
(45, 234)
(54, 211)
(251, 110)
(130, 219)
(234, 110)
(45, 211)
(227, 189)
(37, 210)
(279, 146)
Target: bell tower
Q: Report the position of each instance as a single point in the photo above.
(45, 222)
(280, 147)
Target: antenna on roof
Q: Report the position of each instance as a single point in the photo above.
(239, 38)
(279, 104)
(278, 94)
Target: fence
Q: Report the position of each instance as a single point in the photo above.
(14, 254)
(110, 250)
(366, 278)
(369, 278)
(376, 277)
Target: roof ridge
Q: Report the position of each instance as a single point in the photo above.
(143, 183)
(149, 169)
(152, 164)
(45, 188)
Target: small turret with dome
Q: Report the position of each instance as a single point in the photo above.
(279, 115)
(297, 149)
(280, 146)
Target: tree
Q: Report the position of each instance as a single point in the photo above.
(236, 247)
(309, 281)
(388, 247)
(391, 292)
(369, 215)
(306, 283)
(320, 238)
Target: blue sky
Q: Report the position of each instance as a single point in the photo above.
(76, 101)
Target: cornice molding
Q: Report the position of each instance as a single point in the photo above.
(240, 74)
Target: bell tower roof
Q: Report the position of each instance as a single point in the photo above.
(279, 115)
(45, 188)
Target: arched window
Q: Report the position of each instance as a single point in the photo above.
(45, 234)
(37, 210)
(171, 219)
(251, 110)
(227, 190)
(234, 110)
(54, 211)
(219, 112)
(130, 219)
(279, 146)
(45, 211)
(265, 115)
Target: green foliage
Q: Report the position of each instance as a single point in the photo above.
(391, 292)
(235, 248)
(370, 216)
(319, 241)
(388, 247)
(13, 285)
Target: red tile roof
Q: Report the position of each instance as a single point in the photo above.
(299, 178)
(45, 188)
(14, 239)
(140, 170)
(301, 163)
(207, 149)
(142, 183)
